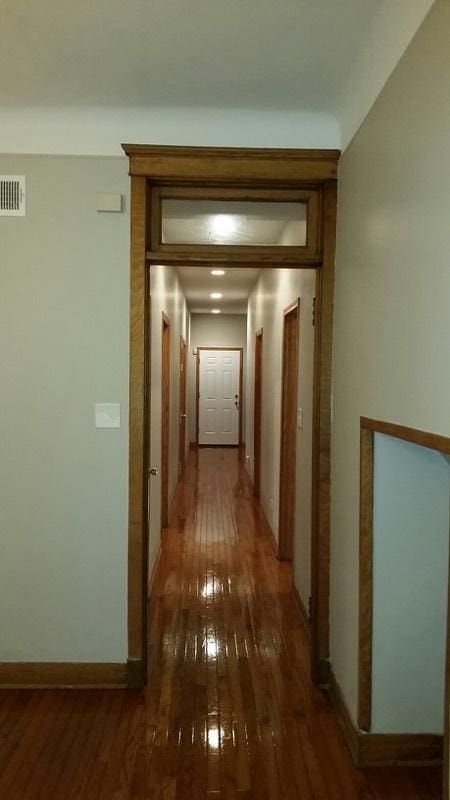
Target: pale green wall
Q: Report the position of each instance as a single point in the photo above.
(392, 320)
(64, 299)
(410, 576)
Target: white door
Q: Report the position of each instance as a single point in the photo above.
(218, 406)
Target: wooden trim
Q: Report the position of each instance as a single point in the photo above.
(302, 611)
(365, 579)
(285, 257)
(321, 470)
(288, 443)
(231, 164)
(368, 428)
(239, 350)
(166, 367)
(311, 198)
(139, 413)
(257, 409)
(447, 705)
(349, 730)
(53, 675)
(182, 407)
(383, 749)
(432, 440)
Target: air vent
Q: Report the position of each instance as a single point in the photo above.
(12, 195)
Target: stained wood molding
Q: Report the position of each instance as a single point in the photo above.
(368, 428)
(383, 749)
(51, 675)
(231, 164)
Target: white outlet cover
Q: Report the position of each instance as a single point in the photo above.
(107, 415)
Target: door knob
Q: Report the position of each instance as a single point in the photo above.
(153, 471)
(183, 416)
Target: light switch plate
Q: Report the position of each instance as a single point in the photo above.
(109, 202)
(107, 415)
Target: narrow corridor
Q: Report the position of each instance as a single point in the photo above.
(229, 711)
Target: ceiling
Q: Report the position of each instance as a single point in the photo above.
(80, 77)
(288, 53)
(198, 283)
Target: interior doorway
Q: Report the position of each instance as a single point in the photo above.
(219, 393)
(257, 411)
(300, 186)
(183, 415)
(288, 450)
(165, 420)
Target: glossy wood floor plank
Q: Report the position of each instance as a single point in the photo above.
(229, 711)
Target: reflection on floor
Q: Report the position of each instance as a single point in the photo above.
(229, 711)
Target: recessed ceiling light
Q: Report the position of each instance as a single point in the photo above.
(224, 224)
(217, 272)
(215, 311)
(216, 295)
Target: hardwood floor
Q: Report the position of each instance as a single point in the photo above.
(229, 711)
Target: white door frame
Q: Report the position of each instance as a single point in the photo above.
(239, 350)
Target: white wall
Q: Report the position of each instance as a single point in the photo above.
(392, 322)
(64, 307)
(100, 130)
(410, 567)
(208, 330)
(166, 296)
(276, 289)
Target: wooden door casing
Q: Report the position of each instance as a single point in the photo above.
(257, 411)
(165, 421)
(288, 439)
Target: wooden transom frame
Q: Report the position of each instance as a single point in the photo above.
(246, 254)
(313, 172)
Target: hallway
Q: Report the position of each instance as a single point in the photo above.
(229, 711)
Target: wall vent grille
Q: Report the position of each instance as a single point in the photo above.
(12, 195)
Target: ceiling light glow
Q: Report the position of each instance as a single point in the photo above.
(215, 311)
(223, 224)
(216, 295)
(217, 272)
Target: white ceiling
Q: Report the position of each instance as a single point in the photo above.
(236, 285)
(258, 53)
(106, 57)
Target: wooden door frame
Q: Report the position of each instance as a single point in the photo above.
(165, 456)
(183, 389)
(257, 413)
(239, 350)
(151, 165)
(285, 547)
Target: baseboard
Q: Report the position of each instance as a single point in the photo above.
(136, 677)
(302, 611)
(383, 749)
(64, 675)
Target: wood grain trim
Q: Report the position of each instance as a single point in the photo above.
(288, 428)
(138, 414)
(235, 165)
(286, 257)
(383, 749)
(365, 579)
(321, 470)
(432, 440)
(349, 730)
(52, 675)
(239, 350)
